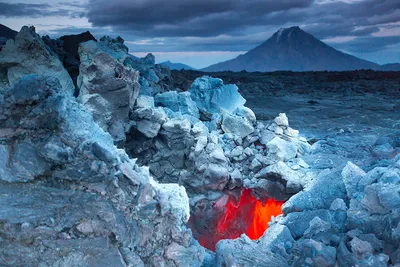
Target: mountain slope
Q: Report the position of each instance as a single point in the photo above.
(391, 67)
(6, 32)
(296, 50)
(176, 66)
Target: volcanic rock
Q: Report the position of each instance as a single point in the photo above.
(178, 102)
(236, 125)
(244, 252)
(280, 149)
(212, 96)
(28, 54)
(5, 34)
(66, 187)
(154, 78)
(352, 175)
(107, 87)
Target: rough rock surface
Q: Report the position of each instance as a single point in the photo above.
(66, 48)
(107, 87)
(28, 54)
(154, 78)
(212, 96)
(70, 197)
(202, 154)
(361, 233)
(197, 143)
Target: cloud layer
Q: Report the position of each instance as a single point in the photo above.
(35, 10)
(186, 17)
(363, 26)
(211, 18)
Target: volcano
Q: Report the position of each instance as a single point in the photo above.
(295, 50)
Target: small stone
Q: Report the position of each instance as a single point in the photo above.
(360, 248)
(278, 130)
(291, 132)
(281, 149)
(282, 120)
(352, 175)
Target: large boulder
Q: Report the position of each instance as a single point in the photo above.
(281, 150)
(28, 54)
(212, 96)
(237, 125)
(276, 181)
(177, 102)
(107, 87)
(352, 175)
(313, 253)
(245, 252)
(317, 195)
(66, 48)
(148, 120)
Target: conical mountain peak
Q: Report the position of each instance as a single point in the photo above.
(296, 50)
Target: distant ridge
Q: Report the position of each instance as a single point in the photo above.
(176, 66)
(295, 50)
(391, 67)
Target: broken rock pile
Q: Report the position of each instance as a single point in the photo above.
(69, 197)
(352, 222)
(72, 194)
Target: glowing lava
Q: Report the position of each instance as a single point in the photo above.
(248, 215)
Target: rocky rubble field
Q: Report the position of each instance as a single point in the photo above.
(126, 165)
(347, 116)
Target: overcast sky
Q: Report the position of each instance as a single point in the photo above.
(203, 32)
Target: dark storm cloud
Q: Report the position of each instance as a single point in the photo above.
(186, 17)
(41, 10)
(212, 18)
(22, 9)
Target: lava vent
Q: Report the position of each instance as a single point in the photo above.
(229, 217)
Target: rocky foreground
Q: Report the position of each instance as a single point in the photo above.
(111, 177)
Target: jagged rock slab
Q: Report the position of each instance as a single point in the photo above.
(28, 54)
(212, 96)
(107, 88)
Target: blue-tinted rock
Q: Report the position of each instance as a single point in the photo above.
(107, 87)
(89, 191)
(278, 239)
(212, 96)
(352, 175)
(28, 54)
(313, 253)
(236, 125)
(299, 222)
(246, 253)
(177, 102)
(318, 195)
(281, 150)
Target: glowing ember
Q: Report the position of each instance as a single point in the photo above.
(249, 216)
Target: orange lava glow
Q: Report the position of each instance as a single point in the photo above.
(247, 216)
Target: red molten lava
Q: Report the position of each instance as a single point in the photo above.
(249, 216)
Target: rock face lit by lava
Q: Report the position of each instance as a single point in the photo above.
(247, 215)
